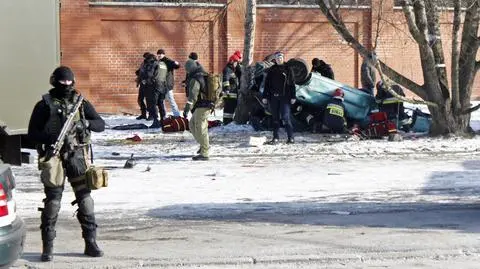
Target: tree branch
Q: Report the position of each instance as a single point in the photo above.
(455, 55)
(468, 65)
(388, 87)
(416, 32)
(470, 110)
(340, 27)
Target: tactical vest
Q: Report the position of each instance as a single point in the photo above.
(162, 71)
(59, 111)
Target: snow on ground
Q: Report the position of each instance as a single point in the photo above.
(315, 173)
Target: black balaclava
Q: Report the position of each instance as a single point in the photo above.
(61, 90)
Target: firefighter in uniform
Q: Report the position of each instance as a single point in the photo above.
(231, 83)
(46, 123)
(391, 105)
(334, 118)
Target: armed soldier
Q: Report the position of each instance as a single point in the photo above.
(63, 105)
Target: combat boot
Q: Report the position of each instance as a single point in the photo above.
(156, 124)
(200, 158)
(47, 252)
(274, 141)
(92, 249)
(142, 117)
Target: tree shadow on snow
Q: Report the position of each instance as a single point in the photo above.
(461, 216)
(448, 200)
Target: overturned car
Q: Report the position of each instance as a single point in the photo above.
(363, 110)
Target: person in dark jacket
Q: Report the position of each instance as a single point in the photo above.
(334, 118)
(141, 93)
(171, 66)
(323, 68)
(154, 91)
(46, 123)
(280, 94)
(230, 87)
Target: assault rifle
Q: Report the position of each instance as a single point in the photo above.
(66, 128)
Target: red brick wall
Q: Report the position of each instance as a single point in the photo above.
(104, 45)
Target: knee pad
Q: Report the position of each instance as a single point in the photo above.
(51, 207)
(86, 206)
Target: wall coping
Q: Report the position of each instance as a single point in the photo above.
(154, 4)
(205, 5)
(307, 6)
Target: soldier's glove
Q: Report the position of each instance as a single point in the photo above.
(264, 101)
(82, 125)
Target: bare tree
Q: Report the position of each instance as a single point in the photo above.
(450, 107)
(242, 112)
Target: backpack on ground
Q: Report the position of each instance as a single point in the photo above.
(213, 88)
(147, 73)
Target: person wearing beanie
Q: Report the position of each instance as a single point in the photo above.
(193, 56)
(46, 123)
(141, 91)
(199, 106)
(323, 68)
(334, 118)
(279, 93)
(152, 76)
(171, 66)
(230, 88)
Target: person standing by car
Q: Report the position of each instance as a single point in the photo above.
(367, 77)
(46, 123)
(280, 94)
(171, 66)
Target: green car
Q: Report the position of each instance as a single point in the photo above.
(12, 227)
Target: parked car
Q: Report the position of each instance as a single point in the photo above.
(12, 227)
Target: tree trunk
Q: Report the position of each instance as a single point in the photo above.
(245, 98)
(445, 122)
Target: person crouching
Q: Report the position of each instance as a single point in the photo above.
(334, 118)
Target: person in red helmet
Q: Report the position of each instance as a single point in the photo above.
(231, 84)
(334, 118)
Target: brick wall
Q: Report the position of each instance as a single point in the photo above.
(104, 45)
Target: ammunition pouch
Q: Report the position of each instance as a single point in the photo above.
(97, 177)
(52, 172)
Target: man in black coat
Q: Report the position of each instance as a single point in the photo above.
(323, 68)
(279, 92)
(46, 122)
(141, 92)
